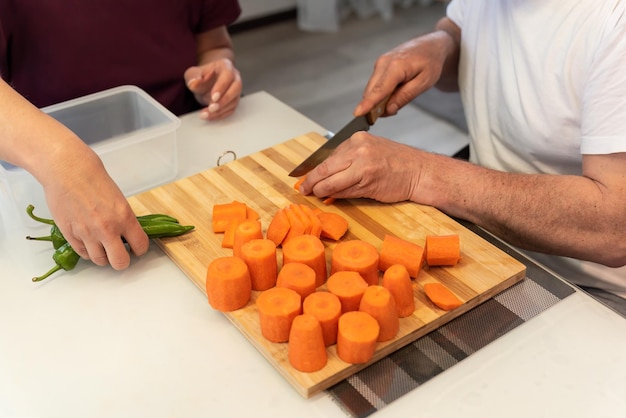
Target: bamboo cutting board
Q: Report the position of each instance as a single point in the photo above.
(261, 181)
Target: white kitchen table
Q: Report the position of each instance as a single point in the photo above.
(144, 342)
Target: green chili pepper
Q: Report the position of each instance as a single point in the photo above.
(65, 258)
(56, 236)
(165, 229)
(156, 217)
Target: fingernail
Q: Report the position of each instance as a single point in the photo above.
(204, 114)
(214, 107)
(192, 81)
(216, 96)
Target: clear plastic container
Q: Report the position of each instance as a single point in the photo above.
(134, 135)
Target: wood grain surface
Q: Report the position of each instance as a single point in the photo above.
(261, 181)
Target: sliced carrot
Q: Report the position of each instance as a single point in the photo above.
(278, 227)
(314, 221)
(441, 296)
(306, 349)
(396, 250)
(443, 250)
(297, 209)
(228, 240)
(228, 284)
(260, 257)
(397, 280)
(357, 334)
(246, 230)
(379, 302)
(299, 182)
(225, 212)
(297, 276)
(356, 255)
(296, 227)
(326, 307)
(349, 287)
(328, 200)
(251, 214)
(278, 306)
(334, 226)
(309, 250)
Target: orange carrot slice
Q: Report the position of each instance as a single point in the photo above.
(441, 296)
(314, 221)
(225, 212)
(304, 219)
(326, 307)
(397, 280)
(245, 231)
(349, 287)
(296, 227)
(306, 349)
(379, 302)
(356, 255)
(228, 284)
(297, 276)
(278, 306)
(260, 257)
(328, 200)
(298, 183)
(228, 240)
(396, 250)
(334, 226)
(252, 214)
(278, 227)
(443, 250)
(356, 337)
(309, 250)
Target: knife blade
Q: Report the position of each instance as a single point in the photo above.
(359, 123)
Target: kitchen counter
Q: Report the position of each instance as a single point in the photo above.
(144, 342)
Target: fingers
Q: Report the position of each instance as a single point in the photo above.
(217, 85)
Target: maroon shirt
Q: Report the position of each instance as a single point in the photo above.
(56, 50)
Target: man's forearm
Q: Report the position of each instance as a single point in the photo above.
(450, 71)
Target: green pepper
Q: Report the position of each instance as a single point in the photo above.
(165, 229)
(65, 258)
(156, 217)
(56, 236)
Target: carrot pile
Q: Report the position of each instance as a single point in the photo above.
(355, 301)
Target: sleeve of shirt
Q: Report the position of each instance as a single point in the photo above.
(603, 124)
(217, 13)
(454, 11)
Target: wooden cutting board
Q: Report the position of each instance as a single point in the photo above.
(261, 181)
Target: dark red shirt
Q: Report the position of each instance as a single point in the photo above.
(56, 50)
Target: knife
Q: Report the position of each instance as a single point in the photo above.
(360, 123)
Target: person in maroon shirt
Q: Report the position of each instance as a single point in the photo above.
(179, 51)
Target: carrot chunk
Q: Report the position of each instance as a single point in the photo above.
(379, 302)
(314, 221)
(326, 307)
(298, 183)
(396, 250)
(443, 250)
(228, 240)
(397, 280)
(260, 257)
(278, 306)
(297, 276)
(306, 349)
(334, 226)
(278, 227)
(228, 284)
(225, 212)
(356, 337)
(441, 296)
(296, 227)
(349, 287)
(304, 219)
(245, 231)
(356, 255)
(308, 250)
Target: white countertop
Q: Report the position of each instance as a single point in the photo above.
(144, 342)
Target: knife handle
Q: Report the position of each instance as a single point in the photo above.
(378, 110)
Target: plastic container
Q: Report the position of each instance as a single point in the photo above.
(134, 135)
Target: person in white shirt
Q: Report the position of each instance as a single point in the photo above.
(544, 91)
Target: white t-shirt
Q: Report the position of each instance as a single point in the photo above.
(543, 82)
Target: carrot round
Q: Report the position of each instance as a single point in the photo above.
(228, 284)
(441, 296)
(397, 280)
(260, 257)
(396, 250)
(326, 307)
(245, 231)
(278, 307)
(443, 250)
(356, 337)
(349, 287)
(309, 250)
(356, 255)
(278, 227)
(306, 349)
(378, 302)
(299, 277)
(333, 225)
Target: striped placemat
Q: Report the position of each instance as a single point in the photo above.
(371, 389)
